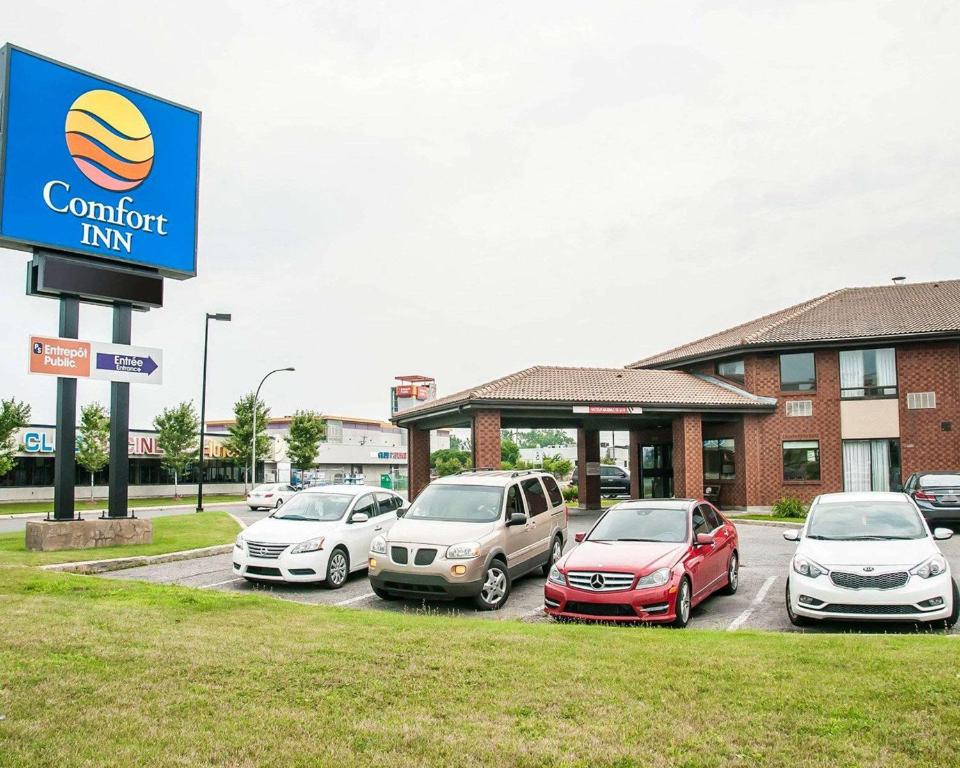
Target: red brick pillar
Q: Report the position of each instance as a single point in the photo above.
(687, 456)
(635, 459)
(749, 464)
(486, 439)
(588, 452)
(418, 461)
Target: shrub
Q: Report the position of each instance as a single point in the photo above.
(557, 465)
(789, 506)
(570, 493)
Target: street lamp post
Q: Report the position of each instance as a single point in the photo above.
(253, 439)
(203, 402)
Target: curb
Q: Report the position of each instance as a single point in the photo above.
(768, 523)
(120, 563)
(43, 515)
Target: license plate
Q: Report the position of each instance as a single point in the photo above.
(948, 499)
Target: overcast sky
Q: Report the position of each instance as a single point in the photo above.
(466, 189)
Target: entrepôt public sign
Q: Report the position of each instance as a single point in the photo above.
(94, 168)
(75, 359)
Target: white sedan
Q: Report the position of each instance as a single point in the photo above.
(270, 496)
(869, 557)
(321, 534)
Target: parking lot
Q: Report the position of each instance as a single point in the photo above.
(758, 604)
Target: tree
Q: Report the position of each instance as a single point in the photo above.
(177, 437)
(13, 416)
(307, 429)
(237, 445)
(538, 438)
(557, 466)
(93, 440)
(448, 461)
(457, 444)
(509, 452)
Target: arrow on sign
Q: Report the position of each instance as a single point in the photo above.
(126, 363)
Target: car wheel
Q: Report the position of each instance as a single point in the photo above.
(954, 616)
(556, 549)
(382, 593)
(733, 575)
(795, 619)
(338, 568)
(683, 604)
(278, 504)
(495, 588)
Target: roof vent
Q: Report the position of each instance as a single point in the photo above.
(898, 279)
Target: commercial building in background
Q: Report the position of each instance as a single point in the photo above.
(355, 450)
(853, 390)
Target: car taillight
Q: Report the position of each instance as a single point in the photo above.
(268, 495)
(924, 496)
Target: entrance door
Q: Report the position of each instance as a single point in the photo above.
(656, 471)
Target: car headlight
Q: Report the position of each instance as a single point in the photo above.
(310, 545)
(656, 579)
(239, 542)
(929, 568)
(465, 551)
(555, 576)
(806, 567)
(378, 546)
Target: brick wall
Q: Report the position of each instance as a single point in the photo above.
(687, 455)
(486, 439)
(418, 460)
(933, 367)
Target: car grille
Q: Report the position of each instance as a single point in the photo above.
(265, 551)
(599, 609)
(865, 581)
(258, 570)
(596, 581)
(399, 555)
(418, 589)
(424, 556)
(869, 610)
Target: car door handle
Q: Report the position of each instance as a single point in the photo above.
(378, 528)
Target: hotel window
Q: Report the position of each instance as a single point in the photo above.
(718, 461)
(868, 373)
(732, 369)
(798, 372)
(871, 465)
(801, 460)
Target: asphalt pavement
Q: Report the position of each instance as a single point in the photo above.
(758, 604)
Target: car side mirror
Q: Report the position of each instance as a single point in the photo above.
(705, 540)
(401, 511)
(578, 537)
(516, 518)
(942, 534)
(359, 517)
(792, 535)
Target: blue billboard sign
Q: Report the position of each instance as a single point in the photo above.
(94, 168)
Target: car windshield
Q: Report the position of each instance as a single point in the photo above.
(316, 507)
(458, 504)
(940, 481)
(867, 520)
(264, 488)
(642, 524)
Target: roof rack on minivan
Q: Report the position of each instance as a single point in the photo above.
(475, 470)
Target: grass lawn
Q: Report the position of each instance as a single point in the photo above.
(99, 672)
(170, 534)
(85, 505)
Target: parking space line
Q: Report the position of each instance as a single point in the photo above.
(761, 594)
(356, 599)
(219, 583)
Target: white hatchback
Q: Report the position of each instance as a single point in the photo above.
(270, 496)
(321, 534)
(869, 557)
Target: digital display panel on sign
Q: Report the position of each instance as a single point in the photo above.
(95, 168)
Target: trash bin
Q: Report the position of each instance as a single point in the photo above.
(386, 481)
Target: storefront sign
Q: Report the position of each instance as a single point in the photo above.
(593, 468)
(76, 359)
(43, 441)
(389, 455)
(608, 410)
(95, 168)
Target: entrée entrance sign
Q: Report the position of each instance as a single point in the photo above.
(76, 359)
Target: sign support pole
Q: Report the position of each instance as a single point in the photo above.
(119, 423)
(65, 462)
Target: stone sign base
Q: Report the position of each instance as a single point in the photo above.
(47, 536)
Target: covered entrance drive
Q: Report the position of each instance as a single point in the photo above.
(668, 414)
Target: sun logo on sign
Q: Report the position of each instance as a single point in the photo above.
(109, 139)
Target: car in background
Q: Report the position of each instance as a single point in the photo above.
(270, 496)
(646, 561)
(869, 557)
(321, 534)
(470, 535)
(614, 480)
(937, 495)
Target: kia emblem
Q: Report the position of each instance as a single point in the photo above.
(868, 568)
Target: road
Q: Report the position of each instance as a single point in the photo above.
(758, 604)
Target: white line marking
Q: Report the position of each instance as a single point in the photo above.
(356, 599)
(741, 619)
(219, 583)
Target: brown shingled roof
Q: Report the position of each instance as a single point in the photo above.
(909, 309)
(621, 386)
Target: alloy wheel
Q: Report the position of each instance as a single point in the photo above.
(557, 551)
(338, 568)
(734, 574)
(684, 601)
(495, 586)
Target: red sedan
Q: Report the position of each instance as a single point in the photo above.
(649, 561)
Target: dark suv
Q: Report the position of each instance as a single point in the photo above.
(614, 481)
(937, 494)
